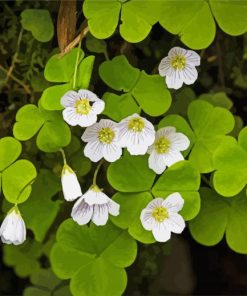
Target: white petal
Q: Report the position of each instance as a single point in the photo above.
(87, 120)
(69, 99)
(174, 202)
(70, 185)
(112, 152)
(100, 214)
(70, 116)
(179, 141)
(165, 131)
(172, 157)
(189, 74)
(113, 207)
(164, 66)
(94, 151)
(156, 163)
(20, 232)
(93, 197)
(137, 149)
(161, 232)
(91, 133)
(82, 212)
(177, 51)
(87, 94)
(176, 223)
(148, 222)
(192, 58)
(98, 107)
(175, 80)
(155, 203)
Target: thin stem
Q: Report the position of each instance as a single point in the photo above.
(76, 64)
(96, 172)
(63, 155)
(14, 59)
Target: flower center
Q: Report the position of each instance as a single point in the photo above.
(162, 145)
(178, 62)
(160, 214)
(136, 124)
(83, 106)
(106, 135)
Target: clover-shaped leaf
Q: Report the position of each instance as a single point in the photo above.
(219, 216)
(210, 125)
(230, 161)
(39, 22)
(131, 205)
(35, 210)
(53, 132)
(10, 150)
(184, 178)
(136, 177)
(82, 253)
(24, 259)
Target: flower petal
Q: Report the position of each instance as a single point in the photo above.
(113, 207)
(70, 116)
(94, 151)
(165, 131)
(148, 222)
(156, 163)
(98, 107)
(175, 80)
(82, 212)
(164, 66)
(70, 185)
(172, 157)
(112, 152)
(92, 197)
(100, 214)
(176, 223)
(192, 58)
(189, 74)
(161, 232)
(69, 99)
(87, 94)
(177, 51)
(91, 133)
(174, 202)
(87, 120)
(179, 141)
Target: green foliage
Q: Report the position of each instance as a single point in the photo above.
(149, 91)
(84, 253)
(219, 216)
(39, 22)
(53, 132)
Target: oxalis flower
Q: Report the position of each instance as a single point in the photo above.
(161, 217)
(70, 185)
(13, 229)
(102, 138)
(94, 205)
(136, 134)
(166, 149)
(179, 67)
(81, 108)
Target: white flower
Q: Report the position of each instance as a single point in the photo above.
(81, 108)
(136, 133)
(13, 229)
(94, 205)
(179, 67)
(71, 186)
(166, 149)
(161, 217)
(102, 138)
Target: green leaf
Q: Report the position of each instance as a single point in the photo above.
(17, 180)
(29, 121)
(82, 253)
(210, 124)
(230, 161)
(84, 72)
(131, 205)
(95, 45)
(119, 74)
(137, 19)
(10, 150)
(61, 69)
(23, 258)
(151, 94)
(191, 20)
(181, 177)
(35, 210)
(137, 176)
(230, 15)
(51, 97)
(39, 22)
(219, 99)
(219, 216)
(102, 17)
(119, 107)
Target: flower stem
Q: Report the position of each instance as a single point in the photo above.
(76, 64)
(96, 172)
(63, 155)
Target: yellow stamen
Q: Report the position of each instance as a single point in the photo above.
(83, 106)
(136, 124)
(162, 145)
(178, 62)
(106, 135)
(160, 214)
